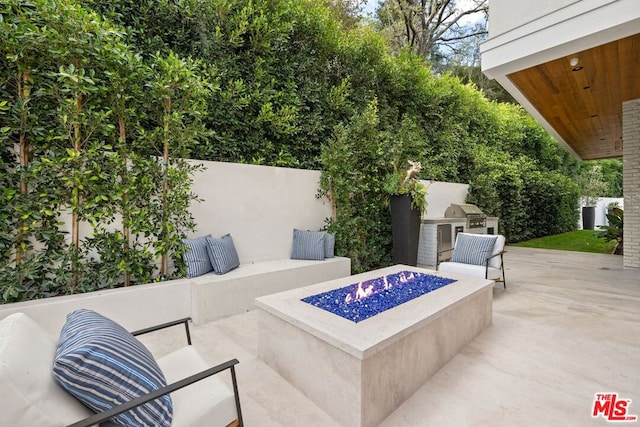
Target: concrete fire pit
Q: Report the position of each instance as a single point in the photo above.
(360, 372)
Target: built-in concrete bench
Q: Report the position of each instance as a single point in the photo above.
(135, 307)
(215, 296)
(203, 298)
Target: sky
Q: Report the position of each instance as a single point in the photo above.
(371, 6)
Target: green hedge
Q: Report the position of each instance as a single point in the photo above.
(93, 96)
(92, 136)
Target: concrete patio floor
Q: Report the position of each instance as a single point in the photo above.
(566, 328)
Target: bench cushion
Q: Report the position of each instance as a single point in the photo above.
(29, 396)
(209, 402)
(103, 365)
(469, 270)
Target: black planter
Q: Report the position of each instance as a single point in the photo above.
(405, 228)
(588, 217)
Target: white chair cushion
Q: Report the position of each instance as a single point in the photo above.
(498, 247)
(469, 270)
(29, 396)
(208, 402)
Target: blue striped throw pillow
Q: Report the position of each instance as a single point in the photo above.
(222, 253)
(308, 244)
(329, 245)
(196, 257)
(473, 249)
(103, 365)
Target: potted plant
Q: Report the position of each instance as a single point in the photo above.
(610, 207)
(615, 229)
(593, 187)
(408, 203)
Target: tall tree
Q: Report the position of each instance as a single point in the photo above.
(432, 28)
(347, 11)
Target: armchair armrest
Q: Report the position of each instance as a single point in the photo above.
(441, 252)
(167, 325)
(494, 255)
(445, 250)
(486, 262)
(108, 414)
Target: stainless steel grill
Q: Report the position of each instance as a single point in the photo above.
(474, 216)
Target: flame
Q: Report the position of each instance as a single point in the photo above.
(403, 278)
(360, 293)
(367, 288)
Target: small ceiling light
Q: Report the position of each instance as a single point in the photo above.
(574, 64)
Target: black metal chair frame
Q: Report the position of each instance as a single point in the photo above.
(124, 407)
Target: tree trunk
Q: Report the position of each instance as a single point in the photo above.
(23, 95)
(76, 201)
(126, 233)
(165, 186)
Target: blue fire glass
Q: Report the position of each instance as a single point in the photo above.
(360, 301)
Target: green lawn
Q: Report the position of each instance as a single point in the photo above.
(580, 241)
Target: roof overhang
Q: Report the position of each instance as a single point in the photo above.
(580, 104)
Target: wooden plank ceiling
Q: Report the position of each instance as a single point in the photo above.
(583, 103)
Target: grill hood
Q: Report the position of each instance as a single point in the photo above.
(462, 211)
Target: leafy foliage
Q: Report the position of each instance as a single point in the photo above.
(615, 230)
(431, 28)
(611, 174)
(593, 185)
(77, 153)
(354, 168)
(100, 106)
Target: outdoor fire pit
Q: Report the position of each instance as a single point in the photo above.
(360, 365)
(365, 299)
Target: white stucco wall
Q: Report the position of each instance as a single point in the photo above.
(258, 205)
(601, 210)
(261, 205)
(441, 194)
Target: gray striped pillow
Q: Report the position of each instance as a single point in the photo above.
(473, 249)
(222, 253)
(103, 365)
(308, 244)
(196, 257)
(329, 245)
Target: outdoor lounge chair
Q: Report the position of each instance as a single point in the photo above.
(29, 394)
(477, 255)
